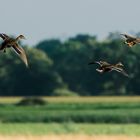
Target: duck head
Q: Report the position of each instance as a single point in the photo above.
(21, 37)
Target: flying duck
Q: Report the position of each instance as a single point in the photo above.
(9, 42)
(131, 41)
(106, 67)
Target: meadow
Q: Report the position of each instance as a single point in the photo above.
(72, 109)
(114, 116)
(41, 129)
(77, 99)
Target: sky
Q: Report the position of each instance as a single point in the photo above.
(47, 19)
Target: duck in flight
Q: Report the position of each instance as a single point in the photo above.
(106, 67)
(9, 42)
(130, 40)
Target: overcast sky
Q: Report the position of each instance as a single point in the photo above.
(42, 19)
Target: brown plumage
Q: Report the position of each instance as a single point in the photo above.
(106, 67)
(131, 41)
(9, 42)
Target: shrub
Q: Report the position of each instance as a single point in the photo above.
(32, 101)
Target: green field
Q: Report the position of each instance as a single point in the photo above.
(71, 115)
(86, 99)
(69, 128)
(76, 110)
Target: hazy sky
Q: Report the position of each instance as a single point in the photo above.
(42, 19)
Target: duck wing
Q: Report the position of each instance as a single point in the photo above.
(101, 63)
(104, 64)
(120, 70)
(94, 62)
(21, 53)
(128, 36)
(4, 36)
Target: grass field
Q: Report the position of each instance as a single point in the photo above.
(69, 137)
(77, 99)
(40, 129)
(61, 113)
(77, 109)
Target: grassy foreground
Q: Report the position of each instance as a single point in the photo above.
(69, 137)
(38, 129)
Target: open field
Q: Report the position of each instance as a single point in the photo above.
(69, 137)
(86, 99)
(41, 129)
(86, 118)
(77, 109)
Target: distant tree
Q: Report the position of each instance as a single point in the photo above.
(114, 36)
(71, 59)
(83, 38)
(38, 79)
(49, 46)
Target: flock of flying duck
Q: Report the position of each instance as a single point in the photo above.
(106, 67)
(10, 42)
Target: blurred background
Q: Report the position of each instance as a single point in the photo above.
(60, 93)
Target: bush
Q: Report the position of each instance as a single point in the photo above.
(32, 101)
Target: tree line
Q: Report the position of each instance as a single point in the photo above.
(61, 68)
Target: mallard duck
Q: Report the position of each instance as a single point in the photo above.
(13, 43)
(106, 67)
(131, 41)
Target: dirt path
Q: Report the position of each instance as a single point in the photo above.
(69, 137)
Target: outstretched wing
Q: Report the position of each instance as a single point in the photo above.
(101, 63)
(4, 36)
(128, 36)
(94, 62)
(104, 63)
(20, 51)
(121, 70)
